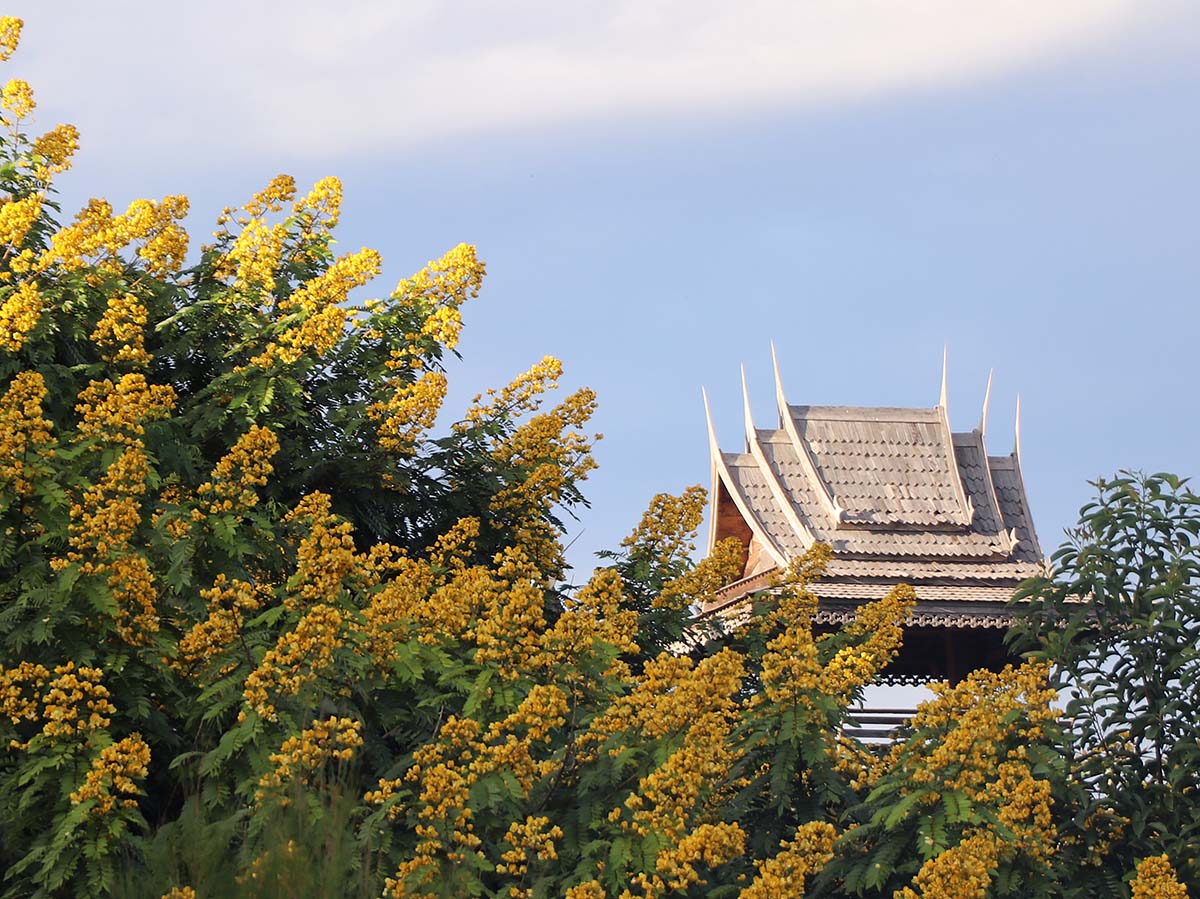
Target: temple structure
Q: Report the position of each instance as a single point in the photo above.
(900, 498)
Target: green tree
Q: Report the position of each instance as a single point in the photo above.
(1119, 618)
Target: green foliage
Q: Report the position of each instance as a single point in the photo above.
(1120, 620)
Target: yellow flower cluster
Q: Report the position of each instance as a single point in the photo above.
(543, 710)
(404, 598)
(519, 397)
(512, 617)
(113, 774)
(254, 257)
(101, 533)
(19, 315)
(443, 326)
(17, 217)
(712, 845)
(73, 694)
(272, 198)
(977, 718)
(669, 797)
(300, 757)
(878, 626)
(131, 583)
(319, 301)
(104, 522)
(530, 839)
(115, 412)
(10, 36)
(452, 549)
(320, 208)
(246, 466)
(98, 235)
(26, 440)
(298, 658)
(972, 738)
(549, 454)
(325, 555)
(667, 525)
(720, 567)
(446, 769)
(334, 284)
(120, 333)
(1156, 880)
(665, 701)
(961, 872)
(15, 684)
(445, 283)
(228, 602)
(179, 893)
(408, 412)
(16, 98)
(54, 150)
(588, 890)
(593, 615)
(785, 873)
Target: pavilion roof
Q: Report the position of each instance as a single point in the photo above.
(895, 493)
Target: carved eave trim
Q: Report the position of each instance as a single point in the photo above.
(965, 506)
(1016, 455)
(1009, 535)
(836, 513)
(721, 470)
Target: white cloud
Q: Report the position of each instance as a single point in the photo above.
(313, 77)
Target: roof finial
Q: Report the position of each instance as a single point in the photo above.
(749, 416)
(1017, 435)
(945, 360)
(780, 399)
(713, 449)
(987, 396)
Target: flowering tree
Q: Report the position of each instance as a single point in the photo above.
(262, 633)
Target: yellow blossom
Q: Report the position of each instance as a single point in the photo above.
(19, 315)
(113, 774)
(1156, 880)
(409, 411)
(55, 149)
(271, 198)
(246, 466)
(521, 396)
(17, 99)
(19, 689)
(10, 35)
(75, 702)
(121, 332)
(301, 757)
(115, 412)
(217, 635)
(298, 658)
(17, 217)
(785, 873)
(25, 436)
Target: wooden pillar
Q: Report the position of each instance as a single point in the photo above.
(952, 673)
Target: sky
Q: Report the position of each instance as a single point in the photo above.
(661, 189)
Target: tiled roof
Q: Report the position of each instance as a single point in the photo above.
(884, 466)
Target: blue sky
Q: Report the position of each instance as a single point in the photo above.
(661, 188)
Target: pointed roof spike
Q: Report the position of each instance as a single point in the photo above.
(987, 396)
(945, 364)
(1017, 433)
(780, 399)
(714, 449)
(748, 415)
